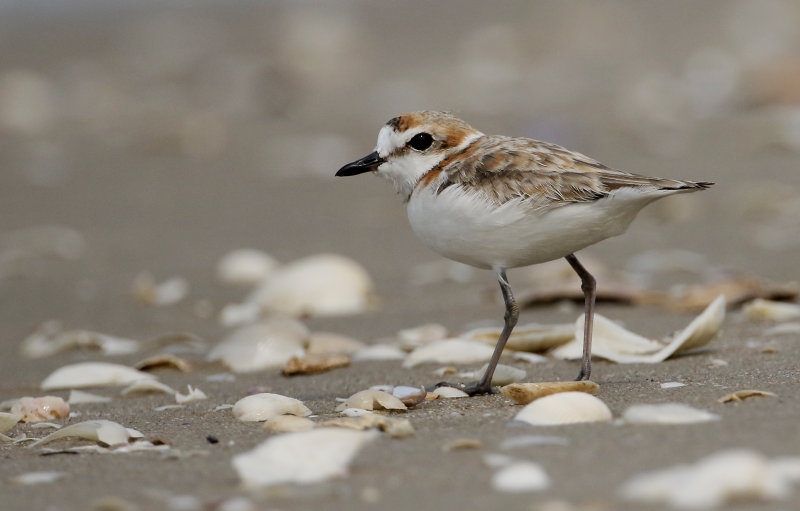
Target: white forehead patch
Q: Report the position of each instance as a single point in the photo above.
(389, 140)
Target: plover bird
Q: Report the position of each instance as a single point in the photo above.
(500, 202)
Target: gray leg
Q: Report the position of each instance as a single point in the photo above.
(589, 287)
(484, 386)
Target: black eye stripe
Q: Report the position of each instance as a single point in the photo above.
(421, 141)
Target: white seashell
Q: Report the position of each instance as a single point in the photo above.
(325, 343)
(264, 345)
(163, 360)
(36, 409)
(288, 423)
(520, 477)
(103, 431)
(237, 314)
(717, 479)
(741, 395)
(145, 386)
(93, 374)
(168, 292)
(319, 285)
(617, 344)
(667, 413)
(245, 267)
(564, 408)
(42, 477)
(379, 352)
(672, 385)
(167, 407)
(760, 309)
(371, 399)
(522, 441)
(49, 339)
(449, 393)
(531, 358)
(80, 397)
(531, 337)
(311, 364)
(524, 393)
(261, 407)
(450, 351)
(412, 338)
(305, 457)
(193, 394)
(503, 374)
(7, 421)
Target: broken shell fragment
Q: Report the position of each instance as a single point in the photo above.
(261, 407)
(503, 374)
(37, 409)
(532, 337)
(304, 457)
(50, 339)
(760, 309)
(564, 408)
(520, 477)
(163, 360)
(410, 396)
(169, 292)
(147, 386)
(326, 343)
(741, 395)
(445, 392)
(311, 364)
(7, 421)
(449, 351)
(245, 267)
(103, 431)
(462, 444)
(319, 285)
(288, 423)
(193, 394)
(396, 427)
(667, 413)
(524, 393)
(379, 352)
(263, 345)
(372, 400)
(93, 374)
(80, 397)
(717, 479)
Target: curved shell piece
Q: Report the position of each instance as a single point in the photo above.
(304, 457)
(449, 392)
(103, 431)
(318, 285)
(770, 310)
(667, 413)
(372, 399)
(503, 374)
(7, 421)
(532, 337)
(564, 408)
(267, 344)
(93, 374)
(37, 409)
(449, 351)
(265, 406)
(524, 393)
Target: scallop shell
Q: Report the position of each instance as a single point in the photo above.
(667, 413)
(93, 374)
(564, 408)
(319, 285)
(531, 337)
(372, 400)
(261, 407)
(449, 351)
(37, 409)
(760, 309)
(245, 267)
(102, 431)
(263, 345)
(524, 393)
(304, 457)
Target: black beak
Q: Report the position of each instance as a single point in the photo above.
(368, 163)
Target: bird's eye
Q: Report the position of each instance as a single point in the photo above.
(421, 141)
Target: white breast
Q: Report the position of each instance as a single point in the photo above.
(468, 228)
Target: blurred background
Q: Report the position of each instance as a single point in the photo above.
(157, 136)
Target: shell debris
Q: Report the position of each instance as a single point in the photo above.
(245, 267)
(268, 344)
(396, 427)
(288, 423)
(372, 399)
(102, 431)
(667, 413)
(741, 395)
(524, 393)
(304, 457)
(449, 351)
(150, 292)
(521, 477)
(7, 421)
(311, 364)
(77, 397)
(49, 339)
(265, 406)
(326, 343)
(532, 337)
(564, 408)
(445, 392)
(460, 444)
(192, 394)
(770, 310)
(163, 360)
(37, 409)
(503, 374)
(147, 386)
(410, 339)
(93, 374)
(379, 352)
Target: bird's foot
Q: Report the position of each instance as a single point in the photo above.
(473, 388)
(583, 375)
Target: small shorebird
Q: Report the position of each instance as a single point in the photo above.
(499, 202)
